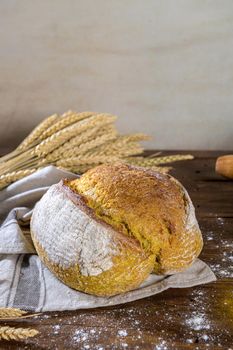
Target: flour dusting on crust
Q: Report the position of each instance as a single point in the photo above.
(191, 220)
(70, 236)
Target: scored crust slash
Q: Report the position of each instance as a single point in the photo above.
(105, 232)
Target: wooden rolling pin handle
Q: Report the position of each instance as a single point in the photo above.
(224, 166)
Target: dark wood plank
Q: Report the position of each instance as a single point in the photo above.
(211, 193)
(191, 318)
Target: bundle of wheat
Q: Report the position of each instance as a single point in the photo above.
(77, 142)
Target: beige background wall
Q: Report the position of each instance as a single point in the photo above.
(165, 67)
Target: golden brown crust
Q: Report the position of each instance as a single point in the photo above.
(82, 250)
(130, 268)
(80, 202)
(105, 232)
(146, 205)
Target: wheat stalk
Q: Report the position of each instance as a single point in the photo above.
(86, 146)
(123, 140)
(37, 132)
(53, 142)
(82, 168)
(112, 149)
(82, 160)
(90, 135)
(102, 130)
(161, 169)
(9, 156)
(78, 169)
(141, 161)
(31, 139)
(130, 149)
(82, 149)
(77, 142)
(60, 137)
(66, 120)
(7, 179)
(11, 312)
(80, 139)
(18, 160)
(12, 333)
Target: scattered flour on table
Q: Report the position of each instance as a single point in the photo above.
(190, 341)
(198, 321)
(220, 221)
(80, 335)
(205, 337)
(56, 329)
(161, 346)
(122, 333)
(128, 328)
(222, 267)
(210, 236)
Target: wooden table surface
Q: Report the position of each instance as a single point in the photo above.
(191, 318)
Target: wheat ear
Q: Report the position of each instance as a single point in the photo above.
(60, 137)
(53, 142)
(80, 139)
(66, 120)
(7, 179)
(86, 146)
(122, 146)
(126, 139)
(31, 139)
(12, 333)
(37, 132)
(79, 169)
(161, 169)
(82, 160)
(111, 149)
(11, 312)
(141, 161)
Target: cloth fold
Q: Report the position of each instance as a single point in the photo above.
(24, 280)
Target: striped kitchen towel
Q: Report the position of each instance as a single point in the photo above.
(26, 283)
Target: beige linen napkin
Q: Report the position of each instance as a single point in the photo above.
(27, 284)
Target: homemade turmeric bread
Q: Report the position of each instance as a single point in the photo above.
(105, 232)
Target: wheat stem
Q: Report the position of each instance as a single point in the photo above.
(79, 169)
(7, 179)
(82, 160)
(80, 139)
(86, 146)
(13, 164)
(54, 141)
(39, 129)
(66, 120)
(118, 150)
(9, 313)
(161, 169)
(9, 156)
(158, 160)
(60, 137)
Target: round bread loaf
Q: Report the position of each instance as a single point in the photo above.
(105, 232)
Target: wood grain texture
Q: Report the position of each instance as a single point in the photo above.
(192, 318)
